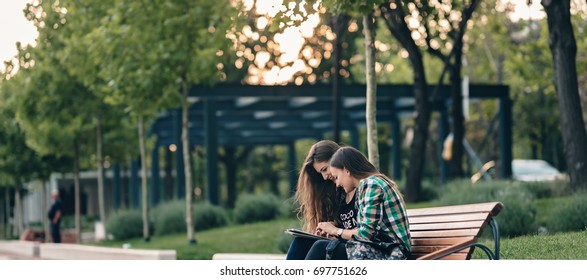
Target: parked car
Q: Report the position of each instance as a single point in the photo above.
(535, 170)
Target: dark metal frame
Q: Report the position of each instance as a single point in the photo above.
(219, 117)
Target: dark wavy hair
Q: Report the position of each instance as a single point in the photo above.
(358, 165)
(317, 198)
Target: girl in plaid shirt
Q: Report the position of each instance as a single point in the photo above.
(381, 209)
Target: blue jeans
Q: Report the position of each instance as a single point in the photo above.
(299, 247)
(318, 251)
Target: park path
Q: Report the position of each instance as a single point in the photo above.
(9, 256)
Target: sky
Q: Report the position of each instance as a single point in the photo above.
(15, 27)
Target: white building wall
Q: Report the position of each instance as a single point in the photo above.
(33, 203)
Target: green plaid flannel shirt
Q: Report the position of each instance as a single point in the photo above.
(381, 209)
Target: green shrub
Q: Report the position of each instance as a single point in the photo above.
(429, 190)
(283, 242)
(289, 208)
(253, 208)
(519, 213)
(569, 216)
(169, 217)
(87, 222)
(208, 216)
(126, 224)
(547, 189)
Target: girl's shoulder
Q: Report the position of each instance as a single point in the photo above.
(378, 180)
(374, 180)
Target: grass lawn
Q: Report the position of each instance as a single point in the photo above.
(263, 237)
(560, 246)
(249, 238)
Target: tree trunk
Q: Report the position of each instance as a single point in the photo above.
(371, 94)
(187, 163)
(144, 187)
(418, 147)
(337, 27)
(394, 19)
(230, 162)
(274, 183)
(18, 212)
(7, 209)
(168, 182)
(3, 216)
(77, 195)
(564, 52)
(456, 162)
(100, 164)
(455, 55)
(45, 207)
(250, 184)
(124, 188)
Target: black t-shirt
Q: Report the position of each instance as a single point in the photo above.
(54, 208)
(348, 214)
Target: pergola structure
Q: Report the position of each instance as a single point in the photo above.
(237, 115)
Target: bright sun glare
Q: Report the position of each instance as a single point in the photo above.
(289, 43)
(15, 28)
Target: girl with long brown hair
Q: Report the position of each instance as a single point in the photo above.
(318, 198)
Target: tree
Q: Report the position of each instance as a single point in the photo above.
(17, 161)
(537, 124)
(564, 54)
(135, 75)
(195, 40)
(394, 13)
(231, 157)
(163, 51)
(365, 9)
(81, 61)
(371, 93)
(457, 14)
(53, 109)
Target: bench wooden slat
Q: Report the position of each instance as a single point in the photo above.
(444, 233)
(442, 226)
(455, 256)
(492, 207)
(424, 250)
(429, 249)
(438, 241)
(466, 253)
(447, 218)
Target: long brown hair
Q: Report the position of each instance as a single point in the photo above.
(317, 198)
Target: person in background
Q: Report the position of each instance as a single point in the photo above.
(55, 217)
(318, 198)
(381, 211)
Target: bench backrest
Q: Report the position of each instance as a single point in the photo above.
(436, 228)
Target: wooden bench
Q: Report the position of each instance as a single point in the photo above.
(452, 232)
(445, 232)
